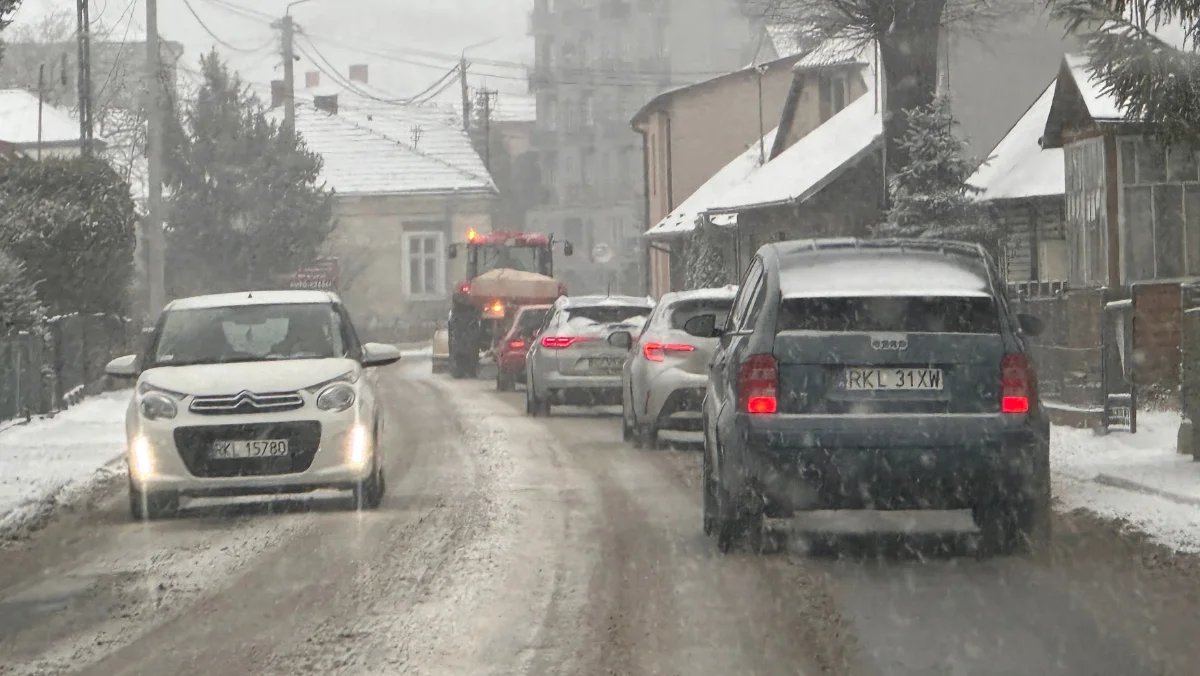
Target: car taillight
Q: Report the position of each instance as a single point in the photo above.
(516, 344)
(658, 351)
(560, 342)
(758, 384)
(1018, 384)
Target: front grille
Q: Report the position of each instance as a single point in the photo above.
(303, 437)
(246, 403)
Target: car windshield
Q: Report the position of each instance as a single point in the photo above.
(604, 314)
(530, 321)
(248, 333)
(504, 256)
(907, 314)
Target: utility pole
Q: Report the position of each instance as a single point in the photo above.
(84, 51)
(289, 73)
(466, 94)
(486, 97)
(152, 232)
(41, 99)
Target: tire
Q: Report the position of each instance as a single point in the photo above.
(1007, 527)
(709, 488)
(505, 383)
(369, 494)
(736, 521)
(152, 506)
(645, 436)
(535, 407)
(626, 429)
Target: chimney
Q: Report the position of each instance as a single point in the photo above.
(327, 103)
(358, 73)
(277, 93)
(312, 79)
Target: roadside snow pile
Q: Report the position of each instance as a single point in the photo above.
(1138, 478)
(54, 460)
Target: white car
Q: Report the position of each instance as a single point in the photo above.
(665, 377)
(253, 393)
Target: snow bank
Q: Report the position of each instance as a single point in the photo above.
(54, 459)
(1138, 478)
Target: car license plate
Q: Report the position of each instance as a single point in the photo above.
(870, 379)
(607, 363)
(264, 448)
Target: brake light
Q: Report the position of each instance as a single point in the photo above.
(465, 287)
(1018, 384)
(758, 384)
(560, 342)
(516, 344)
(658, 351)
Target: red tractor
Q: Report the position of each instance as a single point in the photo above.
(505, 270)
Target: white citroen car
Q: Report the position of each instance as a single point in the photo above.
(253, 393)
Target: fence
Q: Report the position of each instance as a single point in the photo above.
(40, 372)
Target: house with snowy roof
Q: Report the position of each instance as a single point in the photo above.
(48, 132)
(690, 133)
(406, 185)
(1132, 207)
(1022, 184)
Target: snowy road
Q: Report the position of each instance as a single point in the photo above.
(510, 545)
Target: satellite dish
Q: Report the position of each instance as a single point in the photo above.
(602, 253)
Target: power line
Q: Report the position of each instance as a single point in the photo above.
(338, 78)
(245, 12)
(120, 49)
(223, 43)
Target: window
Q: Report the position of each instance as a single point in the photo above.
(1160, 211)
(1087, 215)
(831, 92)
(423, 253)
(747, 288)
(904, 314)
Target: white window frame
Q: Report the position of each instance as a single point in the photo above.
(437, 259)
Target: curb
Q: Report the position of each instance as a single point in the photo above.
(1135, 487)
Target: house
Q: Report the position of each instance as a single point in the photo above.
(1022, 184)
(406, 185)
(1132, 208)
(824, 174)
(689, 133)
(54, 132)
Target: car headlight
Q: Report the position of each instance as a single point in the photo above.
(158, 406)
(337, 397)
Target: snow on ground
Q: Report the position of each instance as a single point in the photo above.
(53, 459)
(1138, 478)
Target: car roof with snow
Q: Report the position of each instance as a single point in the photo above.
(848, 268)
(247, 298)
(567, 302)
(713, 293)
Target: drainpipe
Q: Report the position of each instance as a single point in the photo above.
(670, 168)
(647, 286)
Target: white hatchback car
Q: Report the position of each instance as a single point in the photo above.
(253, 393)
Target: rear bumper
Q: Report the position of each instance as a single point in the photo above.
(512, 365)
(579, 390)
(888, 462)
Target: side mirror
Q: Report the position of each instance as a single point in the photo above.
(568, 249)
(1030, 325)
(123, 367)
(378, 354)
(621, 339)
(702, 326)
(452, 251)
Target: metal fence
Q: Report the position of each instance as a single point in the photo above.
(47, 371)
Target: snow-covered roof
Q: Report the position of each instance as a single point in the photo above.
(385, 149)
(726, 292)
(787, 39)
(838, 51)
(601, 301)
(1100, 105)
(19, 120)
(812, 162)
(683, 218)
(252, 298)
(1018, 167)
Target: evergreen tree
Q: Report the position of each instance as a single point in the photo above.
(705, 259)
(245, 205)
(71, 223)
(1151, 79)
(7, 8)
(930, 194)
(20, 308)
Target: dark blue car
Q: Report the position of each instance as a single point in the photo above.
(883, 375)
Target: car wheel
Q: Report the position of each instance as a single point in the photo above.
(1006, 526)
(368, 494)
(152, 506)
(534, 406)
(709, 488)
(505, 383)
(736, 521)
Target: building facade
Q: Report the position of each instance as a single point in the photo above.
(596, 63)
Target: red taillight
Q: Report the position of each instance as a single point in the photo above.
(1018, 384)
(560, 342)
(658, 351)
(758, 384)
(465, 287)
(516, 344)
